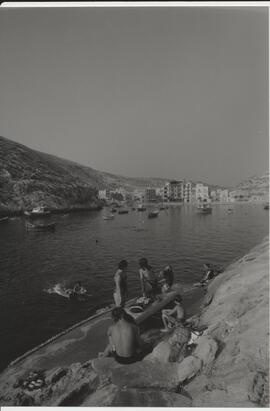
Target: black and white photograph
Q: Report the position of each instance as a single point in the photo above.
(134, 204)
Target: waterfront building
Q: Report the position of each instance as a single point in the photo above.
(222, 195)
(187, 192)
(103, 194)
(213, 195)
(150, 194)
(201, 192)
(238, 195)
(173, 191)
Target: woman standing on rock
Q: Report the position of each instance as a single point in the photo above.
(120, 280)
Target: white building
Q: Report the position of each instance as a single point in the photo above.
(201, 192)
(103, 194)
(222, 195)
(213, 195)
(187, 192)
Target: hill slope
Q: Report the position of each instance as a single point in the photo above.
(255, 186)
(29, 178)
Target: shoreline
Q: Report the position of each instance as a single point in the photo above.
(53, 211)
(227, 367)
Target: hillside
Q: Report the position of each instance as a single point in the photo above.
(29, 178)
(255, 186)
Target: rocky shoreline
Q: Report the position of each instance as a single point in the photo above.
(226, 366)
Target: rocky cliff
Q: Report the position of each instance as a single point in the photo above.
(226, 366)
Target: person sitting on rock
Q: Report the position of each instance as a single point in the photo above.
(125, 344)
(174, 316)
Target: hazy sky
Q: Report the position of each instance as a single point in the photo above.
(160, 92)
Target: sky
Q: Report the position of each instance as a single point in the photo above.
(171, 92)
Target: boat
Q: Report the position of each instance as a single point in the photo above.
(153, 214)
(266, 206)
(204, 208)
(4, 219)
(38, 212)
(108, 217)
(40, 227)
(141, 207)
(113, 210)
(124, 211)
(84, 340)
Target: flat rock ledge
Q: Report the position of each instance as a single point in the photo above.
(227, 366)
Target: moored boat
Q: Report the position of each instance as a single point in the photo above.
(40, 211)
(4, 219)
(141, 207)
(266, 206)
(108, 217)
(153, 214)
(123, 211)
(40, 227)
(204, 208)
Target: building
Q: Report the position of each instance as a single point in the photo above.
(213, 195)
(173, 191)
(150, 195)
(238, 195)
(187, 192)
(201, 192)
(222, 195)
(103, 194)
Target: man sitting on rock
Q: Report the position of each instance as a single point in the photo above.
(174, 316)
(125, 344)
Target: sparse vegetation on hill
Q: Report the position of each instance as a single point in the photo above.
(255, 186)
(29, 178)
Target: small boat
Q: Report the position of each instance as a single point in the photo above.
(204, 208)
(266, 206)
(40, 227)
(4, 219)
(123, 211)
(153, 214)
(113, 210)
(108, 217)
(38, 212)
(141, 207)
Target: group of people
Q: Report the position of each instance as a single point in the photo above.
(125, 343)
(151, 284)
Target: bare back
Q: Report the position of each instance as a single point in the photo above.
(124, 337)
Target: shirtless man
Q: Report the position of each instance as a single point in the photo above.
(124, 340)
(120, 280)
(174, 316)
(148, 279)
